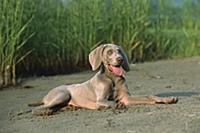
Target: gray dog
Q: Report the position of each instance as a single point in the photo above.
(107, 88)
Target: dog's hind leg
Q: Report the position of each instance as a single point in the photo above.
(60, 100)
(35, 103)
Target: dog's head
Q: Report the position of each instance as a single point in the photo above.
(111, 56)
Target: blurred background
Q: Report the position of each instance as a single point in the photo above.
(47, 37)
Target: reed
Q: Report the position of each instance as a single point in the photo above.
(11, 40)
(65, 31)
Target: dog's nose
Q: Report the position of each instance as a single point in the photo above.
(120, 59)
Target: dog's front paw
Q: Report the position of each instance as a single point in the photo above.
(165, 100)
(120, 105)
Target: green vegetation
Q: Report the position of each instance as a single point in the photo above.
(11, 39)
(55, 36)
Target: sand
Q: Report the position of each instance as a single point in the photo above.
(180, 77)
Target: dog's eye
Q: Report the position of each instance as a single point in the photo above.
(110, 52)
(119, 51)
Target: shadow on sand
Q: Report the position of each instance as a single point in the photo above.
(178, 94)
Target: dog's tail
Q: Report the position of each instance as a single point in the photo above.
(35, 103)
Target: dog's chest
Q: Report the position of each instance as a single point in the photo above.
(112, 93)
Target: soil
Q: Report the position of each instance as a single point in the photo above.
(179, 77)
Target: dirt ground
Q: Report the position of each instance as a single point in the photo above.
(179, 78)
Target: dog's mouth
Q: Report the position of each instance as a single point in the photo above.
(118, 70)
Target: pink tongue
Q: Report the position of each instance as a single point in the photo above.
(116, 70)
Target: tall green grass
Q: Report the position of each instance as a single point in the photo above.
(11, 39)
(65, 31)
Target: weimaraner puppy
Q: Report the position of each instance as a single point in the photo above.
(107, 88)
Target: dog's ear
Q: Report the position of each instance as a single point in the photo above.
(95, 57)
(125, 64)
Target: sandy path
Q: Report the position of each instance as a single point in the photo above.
(166, 78)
